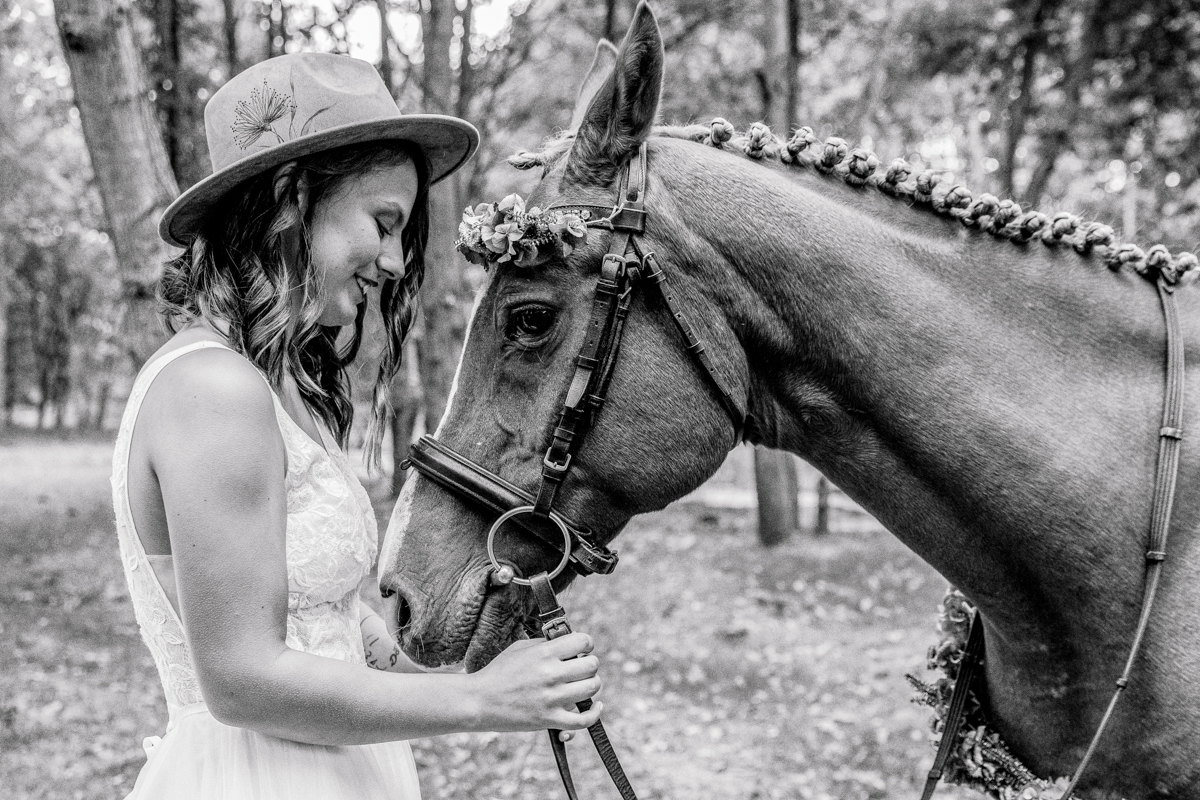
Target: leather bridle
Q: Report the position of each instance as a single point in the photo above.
(624, 268)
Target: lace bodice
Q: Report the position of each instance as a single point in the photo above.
(331, 545)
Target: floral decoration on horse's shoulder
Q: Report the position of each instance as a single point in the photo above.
(493, 233)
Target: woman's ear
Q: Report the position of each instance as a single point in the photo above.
(286, 175)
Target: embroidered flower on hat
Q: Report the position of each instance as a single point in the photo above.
(254, 117)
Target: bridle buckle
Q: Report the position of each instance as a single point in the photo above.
(550, 465)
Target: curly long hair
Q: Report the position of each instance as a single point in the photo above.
(239, 269)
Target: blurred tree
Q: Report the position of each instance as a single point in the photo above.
(127, 155)
(53, 299)
(775, 475)
(181, 48)
(446, 293)
(1070, 84)
(47, 204)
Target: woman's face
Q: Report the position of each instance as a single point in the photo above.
(356, 237)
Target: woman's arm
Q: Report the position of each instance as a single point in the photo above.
(219, 460)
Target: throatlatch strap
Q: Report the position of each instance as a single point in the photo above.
(972, 659)
(554, 624)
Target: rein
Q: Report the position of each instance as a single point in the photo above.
(1169, 436)
(624, 268)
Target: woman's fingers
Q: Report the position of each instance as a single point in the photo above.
(585, 689)
(576, 669)
(575, 720)
(571, 645)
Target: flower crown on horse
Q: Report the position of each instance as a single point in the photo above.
(493, 233)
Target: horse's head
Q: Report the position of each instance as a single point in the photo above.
(663, 428)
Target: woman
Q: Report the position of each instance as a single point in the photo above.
(244, 532)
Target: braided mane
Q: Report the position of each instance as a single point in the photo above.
(860, 167)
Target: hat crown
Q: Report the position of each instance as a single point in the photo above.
(290, 96)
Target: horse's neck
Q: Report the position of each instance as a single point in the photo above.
(995, 405)
(975, 395)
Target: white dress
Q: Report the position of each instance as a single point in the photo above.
(331, 546)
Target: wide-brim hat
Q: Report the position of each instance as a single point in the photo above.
(296, 105)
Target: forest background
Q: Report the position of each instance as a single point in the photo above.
(1081, 105)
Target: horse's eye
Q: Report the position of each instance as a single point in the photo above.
(530, 322)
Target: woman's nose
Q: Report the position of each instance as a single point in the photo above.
(391, 259)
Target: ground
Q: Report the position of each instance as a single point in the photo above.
(731, 671)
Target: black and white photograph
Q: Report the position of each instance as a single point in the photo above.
(599, 400)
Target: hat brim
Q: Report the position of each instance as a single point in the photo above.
(448, 143)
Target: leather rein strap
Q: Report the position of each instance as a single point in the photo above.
(1169, 437)
(553, 620)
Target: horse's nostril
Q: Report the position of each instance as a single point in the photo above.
(403, 613)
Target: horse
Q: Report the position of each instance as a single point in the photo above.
(987, 382)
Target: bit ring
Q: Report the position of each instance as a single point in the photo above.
(515, 512)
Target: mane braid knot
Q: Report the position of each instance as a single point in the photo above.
(835, 150)
(860, 166)
(801, 139)
(758, 139)
(720, 131)
(895, 177)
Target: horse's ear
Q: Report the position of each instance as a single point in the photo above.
(602, 66)
(621, 114)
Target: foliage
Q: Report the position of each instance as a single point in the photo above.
(61, 284)
(1089, 106)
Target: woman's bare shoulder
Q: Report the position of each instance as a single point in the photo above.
(214, 387)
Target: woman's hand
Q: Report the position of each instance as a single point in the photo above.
(535, 684)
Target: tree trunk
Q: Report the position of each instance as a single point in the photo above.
(610, 20)
(822, 526)
(777, 82)
(229, 31)
(1032, 44)
(167, 23)
(778, 499)
(406, 400)
(446, 294)
(466, 72)
(126, 149)
(775, 471)
(385, 47)
(1076, 74)
(104, 393)
(5, 299)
